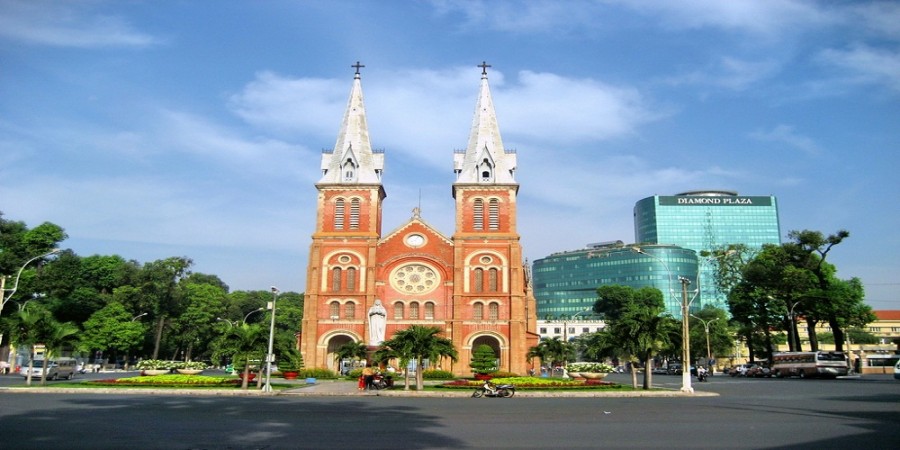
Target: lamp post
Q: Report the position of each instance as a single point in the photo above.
(138, 316)
(3, 296)
(269, 355)
(685, 328)
(794, 345)
(706, 324)
(685, 339)
(566, 323)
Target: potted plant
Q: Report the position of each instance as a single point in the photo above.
(484, 362)
(290, 364)
(190, 367)
(149, 367)
(589, 370)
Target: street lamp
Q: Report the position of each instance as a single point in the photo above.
(685, 328)
(706, 324)
(566, 323)
(269, 355)
(5, 298)
(792, 335)
(138, 316)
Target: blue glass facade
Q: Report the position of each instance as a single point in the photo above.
(566, 283)
(707, 220)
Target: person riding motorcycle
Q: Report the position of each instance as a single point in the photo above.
(489, 388)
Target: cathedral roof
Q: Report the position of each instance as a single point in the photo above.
(352, 160)
(485, 161)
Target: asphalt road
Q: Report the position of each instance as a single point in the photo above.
(748, 413)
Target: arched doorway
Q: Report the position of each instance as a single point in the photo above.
(491, 342)
(334, 343)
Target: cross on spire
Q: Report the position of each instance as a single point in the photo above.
(484, 65)
(357, 67)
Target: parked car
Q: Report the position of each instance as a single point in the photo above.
(56, 368)
(740, 370)
(758, 371)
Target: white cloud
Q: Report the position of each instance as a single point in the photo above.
(64, 24)
(786, 135)
(729, 73)
(869, 65)
(759, 17)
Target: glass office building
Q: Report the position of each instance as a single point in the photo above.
(707, 220)
(565, 283)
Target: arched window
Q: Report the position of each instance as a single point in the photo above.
(478, 311)
(349, 169)
(494, 311)
(339, 214)
(350, 311)
(485, 169)
(334, 310)
(354, 214)
(351, 278)
(398, 311)
(478, 215)
(414, 311)
(429, 311)
(336, 279)
(492, 279)
(478, 280)
(494, 214)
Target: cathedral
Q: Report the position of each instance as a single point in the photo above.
(363, 285)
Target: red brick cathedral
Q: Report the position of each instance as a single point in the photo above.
(363, 285)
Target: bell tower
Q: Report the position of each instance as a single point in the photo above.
(340, 283)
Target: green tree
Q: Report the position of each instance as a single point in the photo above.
(418, 343)
(719, 337)
(636, 324)
(111, 329)
(160, 294)
(553, 352)
(484, 360)
(244, 343)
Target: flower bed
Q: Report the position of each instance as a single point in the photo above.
(536, 383)
(170, 381)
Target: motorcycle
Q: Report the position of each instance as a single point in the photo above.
(380, 382)
(490, 390)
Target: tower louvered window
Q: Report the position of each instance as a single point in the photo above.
(414, 310)
(339, 214)
(478, 311)
(398, 311)
(478, 280)
(429, 311)
(336, 279)
(354, 214)
(494, 214)
(478, 215)
(351, 279)
(492, 279)
(494, 311)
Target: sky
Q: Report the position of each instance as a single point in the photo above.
(152, 129)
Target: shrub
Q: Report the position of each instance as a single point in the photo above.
(484, 360)
(438, 375)
(155, 364)
(590, 367)
(317, 373)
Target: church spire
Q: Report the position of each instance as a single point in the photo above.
(485, 161)
(352, 160)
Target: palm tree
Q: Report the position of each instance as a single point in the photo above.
(553, 351)
(351, 350)
(26, 330)
(59, 334)
(418, 343)
(245, 342)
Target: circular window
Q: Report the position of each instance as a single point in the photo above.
(344, 259)
(415, 240)
(414, 279)
(486, 259)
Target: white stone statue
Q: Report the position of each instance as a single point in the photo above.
(377, 323)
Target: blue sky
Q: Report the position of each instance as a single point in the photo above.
(153, 129)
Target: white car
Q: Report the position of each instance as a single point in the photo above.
(57, 368)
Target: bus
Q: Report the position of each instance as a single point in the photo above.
(810, 364)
